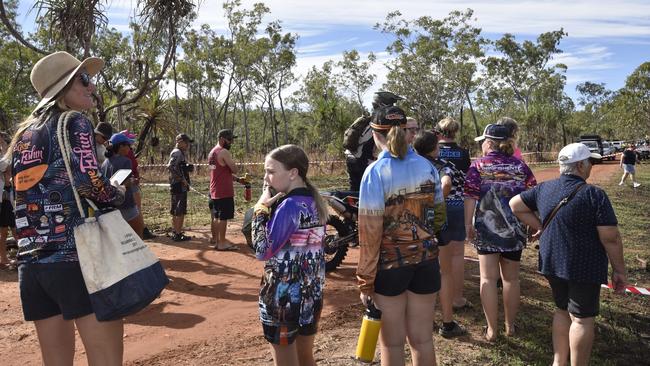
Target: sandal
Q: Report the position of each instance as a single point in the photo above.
(485, 335)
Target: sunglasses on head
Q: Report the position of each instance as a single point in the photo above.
(85, 79)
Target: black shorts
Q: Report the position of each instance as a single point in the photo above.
(513, 256)
(51, 289)
(178, 204)
(7, 218)
(286, 334)
(222, 208)
(580, 299)
(422, 278)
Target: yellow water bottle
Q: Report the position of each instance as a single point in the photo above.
(370, 326)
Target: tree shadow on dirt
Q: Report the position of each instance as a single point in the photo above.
(217, 290)
(154, 316)
(205, 265)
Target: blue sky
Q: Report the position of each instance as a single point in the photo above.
(606, 40)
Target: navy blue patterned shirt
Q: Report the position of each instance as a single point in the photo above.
(570, 247)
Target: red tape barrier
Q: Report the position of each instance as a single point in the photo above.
(631, 289)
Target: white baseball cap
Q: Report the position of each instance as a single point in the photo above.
(575, 152)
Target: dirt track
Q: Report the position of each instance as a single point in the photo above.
(208, 314)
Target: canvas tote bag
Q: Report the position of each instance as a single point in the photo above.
(121, 274)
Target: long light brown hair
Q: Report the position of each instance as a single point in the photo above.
(292, 156)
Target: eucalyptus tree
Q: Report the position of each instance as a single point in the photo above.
(524, 67)
(273, 73)
(355, 76)
(435, 62)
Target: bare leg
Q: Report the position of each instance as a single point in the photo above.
(3, 245)
(489, 267)
(561, 326)
(103, 340)
(137, 224)
(305, 350)
(418, 328)
(458, 271)
(393, 328)
(447, 283)
(214, 230)
(221, 232)
(511, 289)
(285, 355)
(581, 338)
(56, 337)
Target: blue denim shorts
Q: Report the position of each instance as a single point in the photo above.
(455, 230)
(49, 289)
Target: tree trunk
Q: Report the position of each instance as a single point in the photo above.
(175, 91)
(246, 132)
(469, 100)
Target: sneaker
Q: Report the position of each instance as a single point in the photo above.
(181, 237)
(635, 185)
(455, 331)
(147, 234)
(620, 183)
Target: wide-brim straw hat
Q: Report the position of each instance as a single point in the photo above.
(54, 71)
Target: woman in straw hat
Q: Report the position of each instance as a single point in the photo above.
(52, 288)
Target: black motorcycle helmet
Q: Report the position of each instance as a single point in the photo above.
(385, 99)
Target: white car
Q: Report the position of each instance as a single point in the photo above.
(609, 151)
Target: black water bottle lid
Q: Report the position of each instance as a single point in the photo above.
(372, 312)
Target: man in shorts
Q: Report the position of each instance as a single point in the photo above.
(574, 249)
(222, 192)
(179, 184)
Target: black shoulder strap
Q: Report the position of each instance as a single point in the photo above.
(562, 202)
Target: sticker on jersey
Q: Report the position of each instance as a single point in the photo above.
(59, 229)
(54, 197)
(53, 208)
(21, 207)
(59, 218)
(32, 207)
(28, 178)
(21, 222)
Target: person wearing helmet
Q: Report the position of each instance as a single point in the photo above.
(358, 143)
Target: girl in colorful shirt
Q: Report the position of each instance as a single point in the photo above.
(290, 240)
(495, 231)
(401, 210)
(451, 238)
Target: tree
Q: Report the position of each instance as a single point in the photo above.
(355, 76)
(524, 67)
(434, 65)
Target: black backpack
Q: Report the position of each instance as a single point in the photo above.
(353, 133)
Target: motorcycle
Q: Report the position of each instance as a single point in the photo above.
(341, 231)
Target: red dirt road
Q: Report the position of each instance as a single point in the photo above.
(208, 314)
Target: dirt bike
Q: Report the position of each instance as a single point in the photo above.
(341, 231)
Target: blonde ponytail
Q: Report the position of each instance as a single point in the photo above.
(396, 141)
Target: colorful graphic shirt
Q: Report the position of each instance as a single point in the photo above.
(492, 181)
(46, 211)
(401, 208)
(291, 243)
(455, 196)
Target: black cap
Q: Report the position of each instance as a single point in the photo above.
(387, 117)
(494, 132)
(104, 129)
(184, 137)
(227, 134)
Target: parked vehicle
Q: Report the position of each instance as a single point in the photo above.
(619, 145)
(609, 152)
(341, 231)
(643, 151)
(594, 143)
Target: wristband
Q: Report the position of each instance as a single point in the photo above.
(261, 208)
